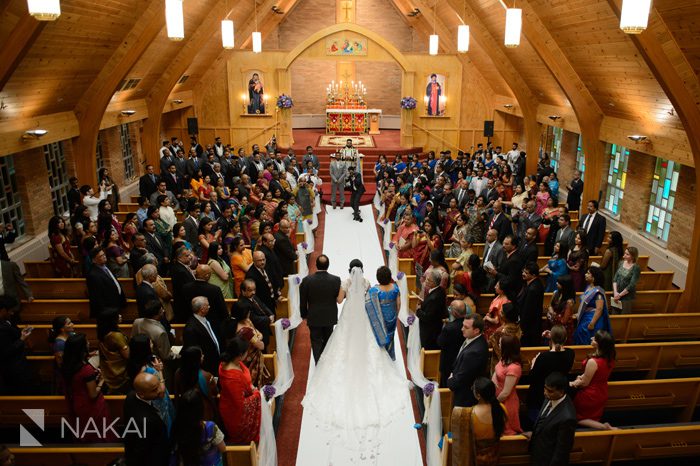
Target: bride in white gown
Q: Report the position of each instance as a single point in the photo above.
(356, 388)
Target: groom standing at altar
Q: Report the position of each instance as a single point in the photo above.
(317, 303)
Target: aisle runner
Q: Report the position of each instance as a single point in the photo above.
(345, 240)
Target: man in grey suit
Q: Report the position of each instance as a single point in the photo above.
(527, 218)
(339, 171)
(493, 253)
(318, 305)
(565, 233)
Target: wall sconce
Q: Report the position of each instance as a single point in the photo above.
(177, 101)
(554, 118)
(638, 138)
(128, 112)
(33, 134)
(508, 106)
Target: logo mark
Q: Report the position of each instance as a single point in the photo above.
(25, 438)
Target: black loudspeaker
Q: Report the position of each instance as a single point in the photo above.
(488, 128)
(193, 126)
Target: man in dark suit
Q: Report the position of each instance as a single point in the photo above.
(471, 362)
(573, 198)
(104, 290)
(16, 375)
(530, 304)
(317, 303)
(273, 266)
(529, 250)
(145, 292)
(565, 233)
(200, 332)
(151, 447)
(138, 252)
(552, 437)
(493, 254)
(432, 310)
(148, 183)
(490, 193)
(500, 222)
(284, 249)
(181, 274)
(156, 245)
(450, 339)
(512, 266)
(13, 284)
(7, 236)
(260, 315)
(216, 304)
(193, 165)
(74, 196)
(594, 224)
(358, 189)
(527, 218)
(192, 226)
(265, 289)
(173, 182)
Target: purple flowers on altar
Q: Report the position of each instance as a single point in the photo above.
(408, 103)
(284, 101)
(285, 324)
(269, 391)
(400, 275)
(428, 389)
(410, 320)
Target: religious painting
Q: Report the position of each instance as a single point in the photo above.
(435, 95)
(255, 93)
(346, 46)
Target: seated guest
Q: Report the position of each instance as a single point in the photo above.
(142, 360)
(150, 325)
(83, 383)
(221, 272)
(625, 282)
(593, 311)
(471, 362)
(592, 385)
(199, 332)
(242, 326)
(141, 409)
(114, 353)
(239, 403)
(450, 339)
(557, 359)
(191, 376)
(476, 431)
(552, 437)
(61, 328)
(197, 441)
(16, 376)
(432, 310)
(506, 377)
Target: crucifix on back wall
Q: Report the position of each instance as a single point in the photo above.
(346, 11)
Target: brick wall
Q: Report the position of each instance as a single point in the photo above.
(640, 171)
(567, 158)
(383, 18)
(309, 80)
(34, 190)
(383, 82)
(306, 18)
(683, 218)
(112, 154)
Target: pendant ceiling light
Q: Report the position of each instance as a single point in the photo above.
(44, 10)
(463, 33)
(257, 37)
(227, 35)
(514, 24)
(174, 20)
(434, 43)
(635, 16)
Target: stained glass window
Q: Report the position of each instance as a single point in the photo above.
(554, 137)
(58, 177)
(617, 176)
(10, 203)
(663, 196)
(127, 155)
(580, 158)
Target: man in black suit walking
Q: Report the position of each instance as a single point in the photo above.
(552, 437)
(471, 362)
(450, 339)
(530, 303)
(104, 290)
(317, 297)
(181, 274)
(594, 224)
(265, 289)
(284, 249)
(151, 447)
(216, 304)
(199, 331)
(148, 183)
(358, 189)
(432, 310)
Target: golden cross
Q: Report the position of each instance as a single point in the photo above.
(346, 6)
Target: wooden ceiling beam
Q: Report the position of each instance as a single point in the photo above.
(91, 107)
(21, 39)
(688, 108)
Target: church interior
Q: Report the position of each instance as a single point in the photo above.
(597, 100)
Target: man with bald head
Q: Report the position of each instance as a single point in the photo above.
(450, 339)
(273, 266)
(265, 289)
(201, 287)
(146, 440)
(285, 249)
(500, 222)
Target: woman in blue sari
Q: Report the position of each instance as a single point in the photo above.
(593, 311)
(382, 304)
(556, 266)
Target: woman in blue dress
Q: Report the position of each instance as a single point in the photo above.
(382, 304)
(593, 311)
(556, 266)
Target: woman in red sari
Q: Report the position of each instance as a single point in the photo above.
(449, 222)
(402, 237)
(424, 242)
(59, 246)
(239, 402)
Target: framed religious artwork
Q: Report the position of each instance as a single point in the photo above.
(434, 98)
(255, 99)
(346, 46)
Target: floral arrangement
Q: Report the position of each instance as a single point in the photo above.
(284, 101)
(286, 323)
(408, 103)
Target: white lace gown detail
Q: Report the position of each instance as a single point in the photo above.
(356, 388)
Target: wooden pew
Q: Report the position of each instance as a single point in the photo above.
(655, 327)
(643, 357)
(607, 446)
(237, 455)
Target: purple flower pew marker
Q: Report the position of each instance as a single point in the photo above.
(304, 245)
(391, 245)
(400, 275)
(269, 391)
(297, 280)
(410, 320)
(285, 324)
(428, 389)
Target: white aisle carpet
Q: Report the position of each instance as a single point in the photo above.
(344, 240)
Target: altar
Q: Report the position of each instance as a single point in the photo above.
(346, 109)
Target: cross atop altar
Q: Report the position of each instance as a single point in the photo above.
(346, 109)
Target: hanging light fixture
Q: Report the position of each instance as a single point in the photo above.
(227, 37)
(434, 39)
(44, 10)
(514, 24)
(257, 37)
(463, 33)
(174, 20)
(635, 16)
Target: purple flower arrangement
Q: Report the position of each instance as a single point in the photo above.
(400, 275)
(297, 280)
(410, 320)
(269, 391)
(310, 221)
(284, 101)
(286, 323)
(391, 245)
(304, 245)
(428, 389)
(408, 103)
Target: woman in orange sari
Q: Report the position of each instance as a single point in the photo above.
(403, 236)
(494, 318)
(269, 204)
(449, 221)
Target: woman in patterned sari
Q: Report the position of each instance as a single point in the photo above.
(424, 242)
(403, 236)
(593, 311)
(449, 221)
(382, 304)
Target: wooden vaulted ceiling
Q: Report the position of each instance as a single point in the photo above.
(64, 58)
